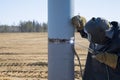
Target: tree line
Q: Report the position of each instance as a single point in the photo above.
(25, 26)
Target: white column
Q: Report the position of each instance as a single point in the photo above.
(60, 32)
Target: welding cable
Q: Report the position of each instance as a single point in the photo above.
(78, 58)
(80, 65)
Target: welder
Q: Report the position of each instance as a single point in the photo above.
(104, 38)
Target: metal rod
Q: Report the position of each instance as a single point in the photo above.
(87, 48)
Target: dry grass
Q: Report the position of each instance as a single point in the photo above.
(23, 56)
(23, 42)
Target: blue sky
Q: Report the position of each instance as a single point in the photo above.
(108, 9)
(13, 11)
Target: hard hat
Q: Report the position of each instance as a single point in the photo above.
(96, 30)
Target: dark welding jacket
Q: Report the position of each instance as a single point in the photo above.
(94, 70)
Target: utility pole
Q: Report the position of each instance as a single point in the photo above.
(60, 40)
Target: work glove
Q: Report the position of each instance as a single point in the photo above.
(107, 58)
(78, 22)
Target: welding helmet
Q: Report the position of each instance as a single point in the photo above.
(97, 30)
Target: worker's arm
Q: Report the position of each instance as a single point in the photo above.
(79, 23)
(109, 59)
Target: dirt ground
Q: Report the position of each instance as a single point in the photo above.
(24, 56)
